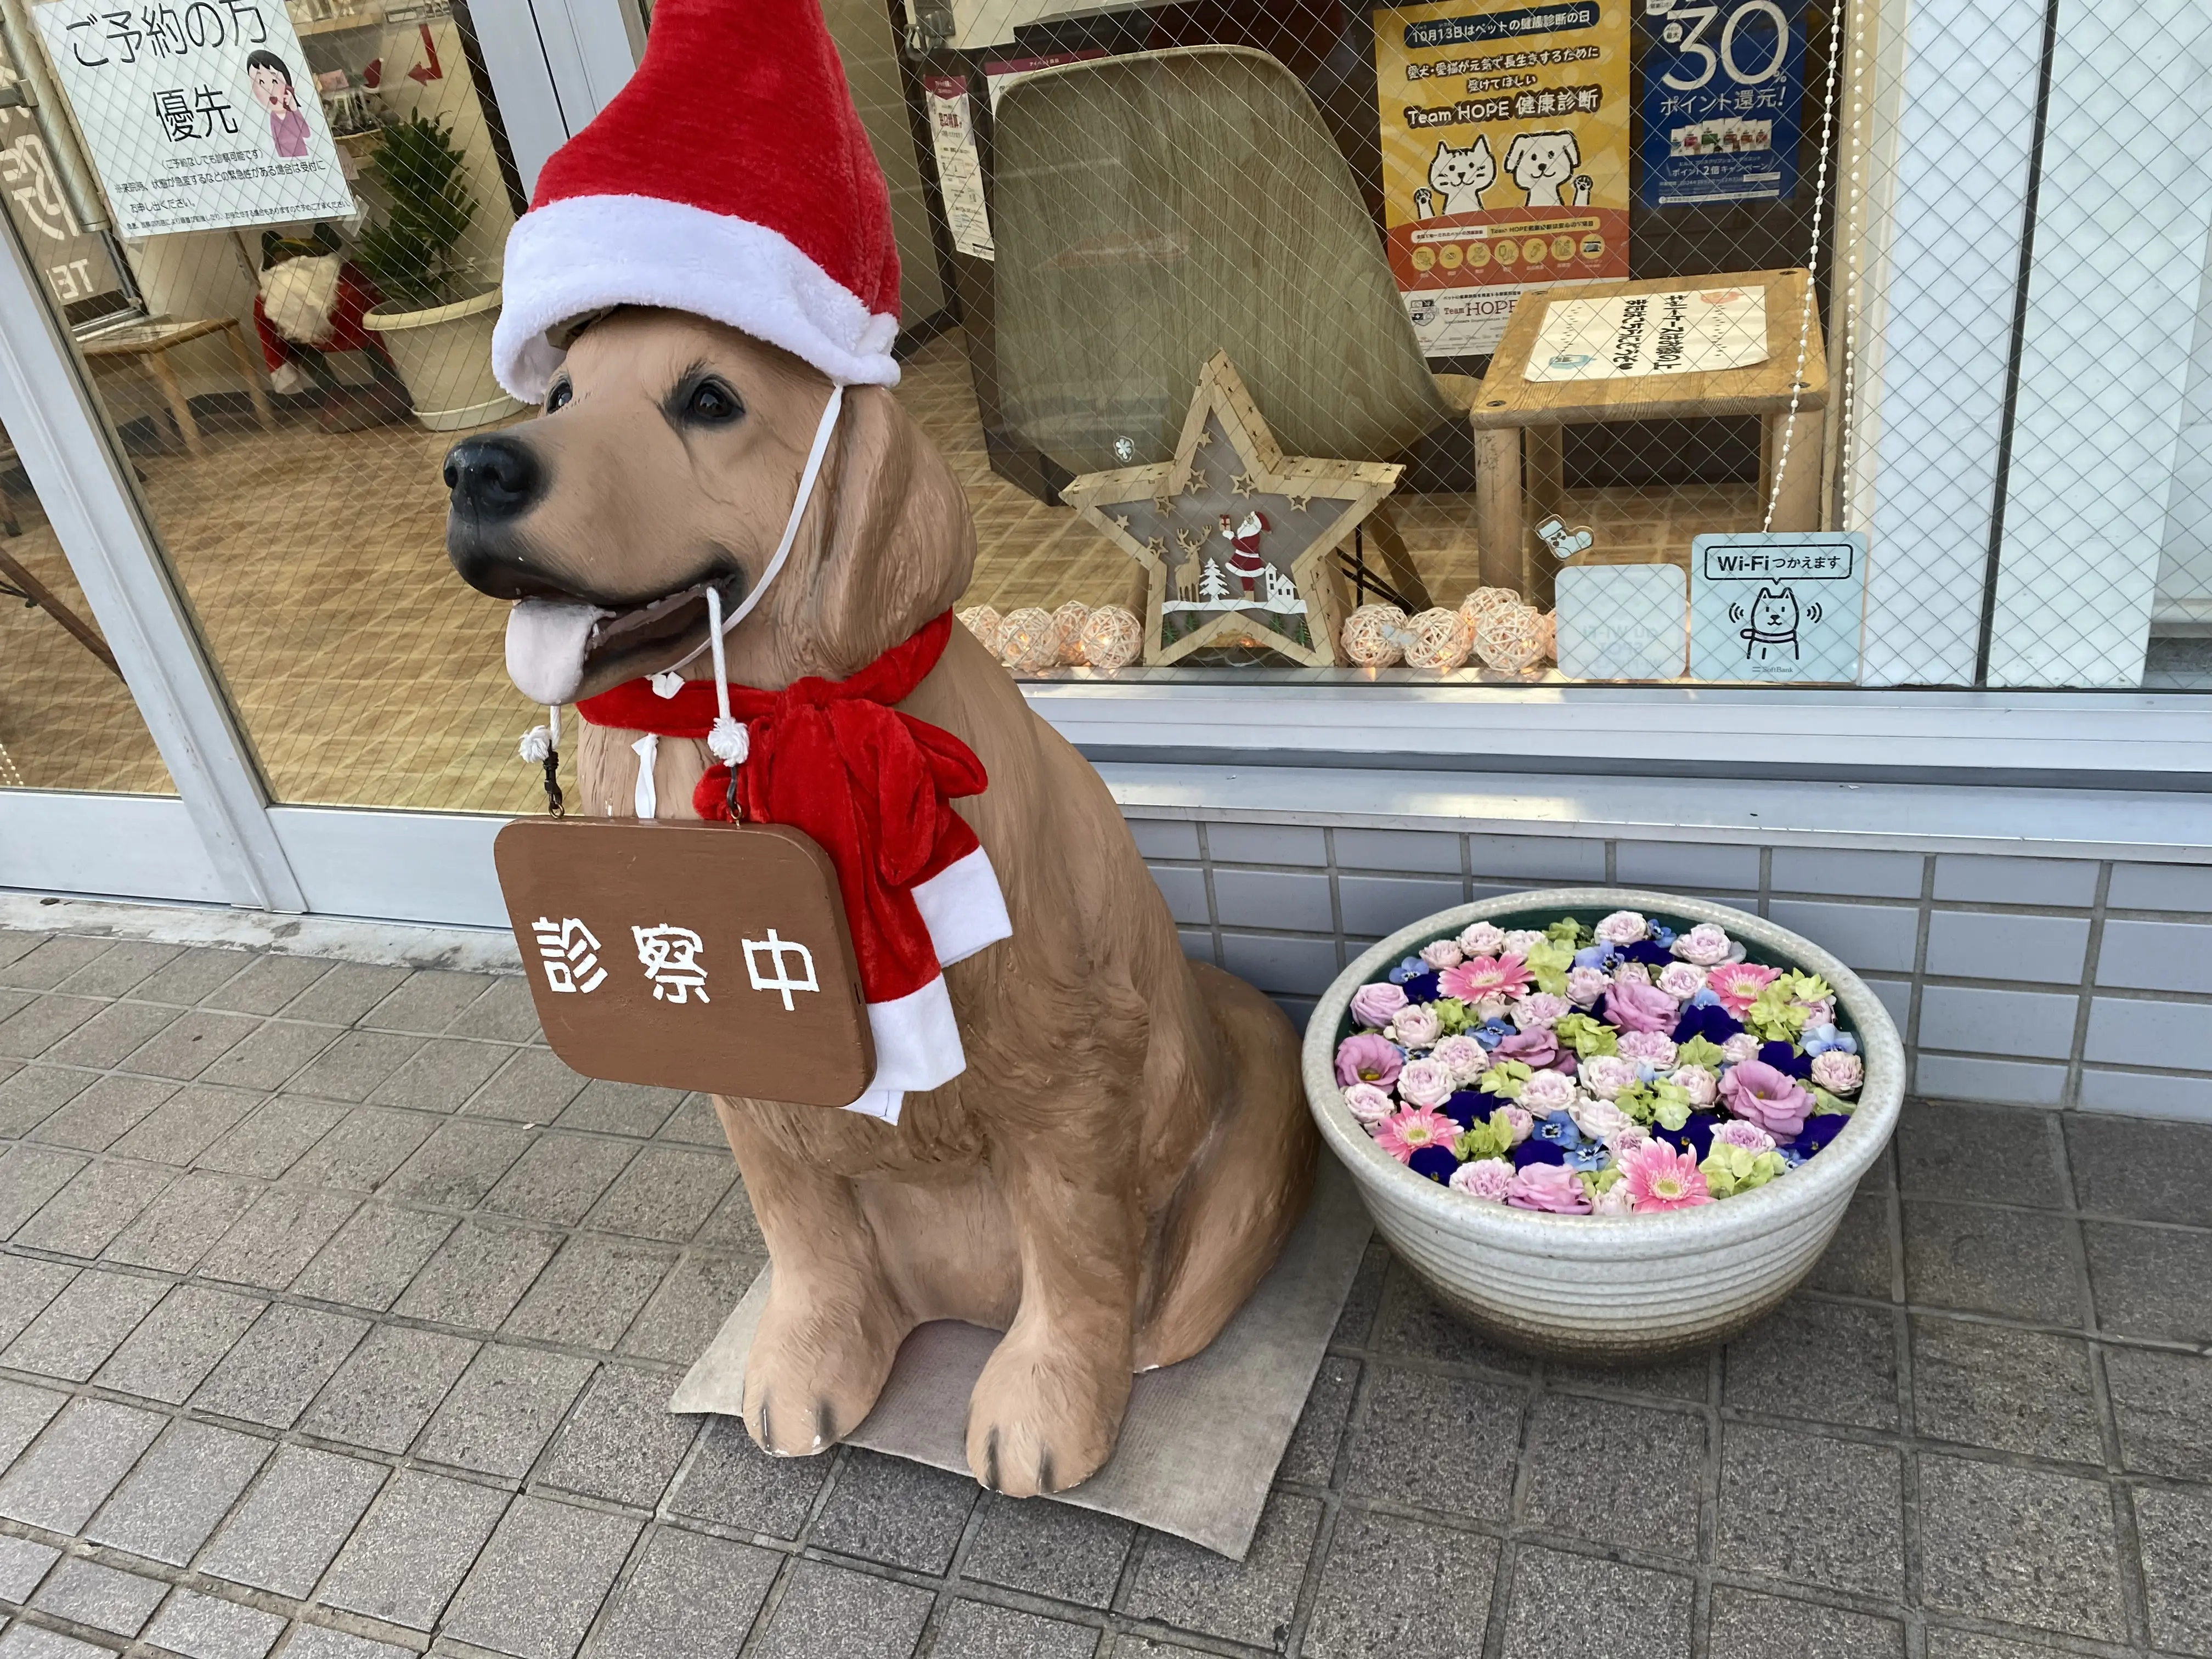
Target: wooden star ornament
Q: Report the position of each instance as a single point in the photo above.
(1250, 565)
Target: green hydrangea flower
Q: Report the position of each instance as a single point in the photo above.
(1587, 1036)
(1505, 1079)
(1731, 1170)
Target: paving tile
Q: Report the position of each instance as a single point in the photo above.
(176, 1345)
(279, 1366)
(560, 1177)
(2162, 1401)
(105, 1598)
(1355, 1325)
(23, 1562)
(273, 1054)
(388, 1388)
(2020, 1391)
(321, 1642)
(266, 984)
(24, 1410)
(591, 1290)
(192, 1043)
(50, 959)
(209, 1627)
(478, 1275)
(29, 1176)
(31, 1642)
(1616, 1475)
(1447, 1443)
(665, 1193)
(195, 975)
(1999, 1262)
(1823, 1360)
(26, 1286)
(504, 1013)
(693, 1123)
(1412, 1323)
(621, 1109)
(1614, 1611)
(1747, 1625)
(278, 1236)
(540, 1578)
(892, 1510)
(733, 1226)
(621, 1442)
(1815, 1511)
(2145, 1172)
(119, 968)
(1401, 1588)
(828, 1613)
(427, 1002)
(2023, 1546)
(69, 1470)
(42, 1022)
(412, 1551)
(100, 1202)
(87, 1322)
(180, 1491)
(299, 1512)
(1988, 1152)
(116, 1030)
(273, 1137)
(694, 1300)
(735, 1484)
(374, 1256)
(1689, 1377)
(31, 1094)
(183, 1224)
(499, 1416)
(1181, 1584)
(439, 1075)
(103, 1113)
(1050, 1549)
(1310, 1457)
(2176, 1529)
(976, 1630)
(2151, 1281)
(461, 1161)
(187, 1123)
(689, 1597)
(344, 994)
(352, 1066)
(533, 1087)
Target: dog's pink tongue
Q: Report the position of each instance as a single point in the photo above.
(545, 641)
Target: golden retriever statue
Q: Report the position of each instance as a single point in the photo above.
(1129, 1146)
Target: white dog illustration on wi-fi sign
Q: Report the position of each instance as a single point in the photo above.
(1541, 162)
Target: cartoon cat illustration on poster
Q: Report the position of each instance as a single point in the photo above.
(1457, 179)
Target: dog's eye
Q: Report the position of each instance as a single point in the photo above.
(559, 397)
(714, 402)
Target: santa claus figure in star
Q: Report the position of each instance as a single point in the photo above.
(1244, 541)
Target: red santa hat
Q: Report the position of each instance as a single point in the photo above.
(730, 178)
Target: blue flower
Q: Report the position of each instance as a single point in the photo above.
(1819, 1039)
(1647, 952)
(1559, 1126)
(1786, 1060)
(1704, 996)
(1820, 1129)
(1490, 1033)
(1536, 1149)
(1469, 1105)
(1709, 1021)
(1695, 1137)
(1407, 969)
(1435, 1162)
(1592, 956)
(1662, 934)
(1421, 987)
(1591, 1156)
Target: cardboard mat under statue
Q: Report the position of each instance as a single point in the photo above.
(1071, 1134)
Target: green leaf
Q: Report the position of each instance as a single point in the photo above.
(1824, 1102)
(410, 249)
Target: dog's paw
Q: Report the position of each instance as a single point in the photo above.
(1042, 1418)
(814, 1372)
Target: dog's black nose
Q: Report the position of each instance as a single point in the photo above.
(495, 478)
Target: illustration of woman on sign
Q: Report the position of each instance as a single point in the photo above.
(271, 81)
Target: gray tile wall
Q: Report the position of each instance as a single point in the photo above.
(2038, 982)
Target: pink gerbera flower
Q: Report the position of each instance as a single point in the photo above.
(1737, 984)
(1485, 976)
(1660, 1178)
(1414, 1128)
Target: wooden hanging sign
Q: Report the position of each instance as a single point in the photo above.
(689, 955)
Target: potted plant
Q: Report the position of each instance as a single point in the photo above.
(436, 318)
(1601, 1123)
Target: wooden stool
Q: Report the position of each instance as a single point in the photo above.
(1514, 417)
(150, 344)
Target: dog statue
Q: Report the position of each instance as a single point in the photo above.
(1128, 1147)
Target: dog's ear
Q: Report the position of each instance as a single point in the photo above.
(1515, 151)
(1574, 154)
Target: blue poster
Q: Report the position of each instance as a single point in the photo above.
(1723, 90)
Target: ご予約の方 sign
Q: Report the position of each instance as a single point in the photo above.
(1777, 607)
(1723, 81)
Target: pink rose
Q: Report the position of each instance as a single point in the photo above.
(1442, 954)
(1370, 1104)
(1704, 946)
(1417, 1025)
(1540, 1010)
(1368, 1058)
(1625, 971)
(1634, 1007)
(1487, 1178)
(1615, 1200)
(1521, 940)
(1519, 1123)
(1773, 1100)
(1696, 1082)
(1551, 1186)
(1622, 927)
(1680, 981)
(1838, 1072)
(1737, 984)
(1629, 1140)
(1468, 1058)
(1647, 1049)
(1427, 1083)
(1740, 1047)
(1537, 1048)
(1375, 1004)
(1545, 1093)
(1820, 1014)
(1586, 985)
(1741, 1131)
(1486, 1009)
(1600, 1119)
(1606, 1075)
(1482, 938)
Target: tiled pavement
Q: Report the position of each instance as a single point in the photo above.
(337, 1321)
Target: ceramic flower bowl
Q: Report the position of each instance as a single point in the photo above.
(1611, 1288)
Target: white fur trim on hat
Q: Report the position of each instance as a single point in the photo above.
(584, 253)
